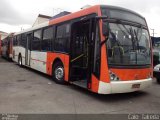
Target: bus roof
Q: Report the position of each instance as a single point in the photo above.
(90, 10)
(81, 13)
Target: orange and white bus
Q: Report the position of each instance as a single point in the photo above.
(7, 46)
(104, 49)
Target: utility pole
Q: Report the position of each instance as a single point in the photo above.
(153, 33)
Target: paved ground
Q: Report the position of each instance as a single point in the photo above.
(26, 91)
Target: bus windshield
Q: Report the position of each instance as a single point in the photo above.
(122, 14)
(128, 45)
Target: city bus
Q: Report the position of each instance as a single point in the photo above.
(6, 46)
(104, 49)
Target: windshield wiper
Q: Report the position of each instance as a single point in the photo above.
(141, 27)
(118, 44)
(129, 33)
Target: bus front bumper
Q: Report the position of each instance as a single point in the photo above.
(123, 86)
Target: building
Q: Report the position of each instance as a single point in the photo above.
(3, 34)
(41, 19)
(44, 18)
(61, 14)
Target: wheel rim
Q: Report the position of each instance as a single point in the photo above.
(59, 73)
(20, 62)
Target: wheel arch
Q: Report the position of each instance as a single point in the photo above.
(20, 58)
(58, 60)
(55, 61)
(52, 58)
(19, 55)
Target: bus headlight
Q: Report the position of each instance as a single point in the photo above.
(113, 76)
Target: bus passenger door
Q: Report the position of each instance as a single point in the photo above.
(81, 52)
(28, 49)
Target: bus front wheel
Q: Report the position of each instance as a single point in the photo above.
(58, 73)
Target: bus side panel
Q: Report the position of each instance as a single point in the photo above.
(38, 61)
(16, 50)
(133, 74)
(51, 57)
(21, 50)
(95, 84)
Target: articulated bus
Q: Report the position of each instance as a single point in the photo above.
(104, 49)
(7, 46)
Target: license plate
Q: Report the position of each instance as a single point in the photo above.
(136, 86)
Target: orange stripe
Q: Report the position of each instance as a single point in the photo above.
(38, 60)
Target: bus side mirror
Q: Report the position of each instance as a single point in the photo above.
(105, 29)
(105, 24)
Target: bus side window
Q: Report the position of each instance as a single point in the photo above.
(15, 41)
(61, 42)
(46, 44)
(19, 40)
(23, 40)
(36, 43)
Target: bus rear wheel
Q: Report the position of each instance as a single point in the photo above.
(58, 73)
(20, 61)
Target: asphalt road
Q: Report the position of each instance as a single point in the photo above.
(23, 90)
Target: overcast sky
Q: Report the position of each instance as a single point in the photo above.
(17, 14)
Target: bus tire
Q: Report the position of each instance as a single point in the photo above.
(20, 61)
(58, 73)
